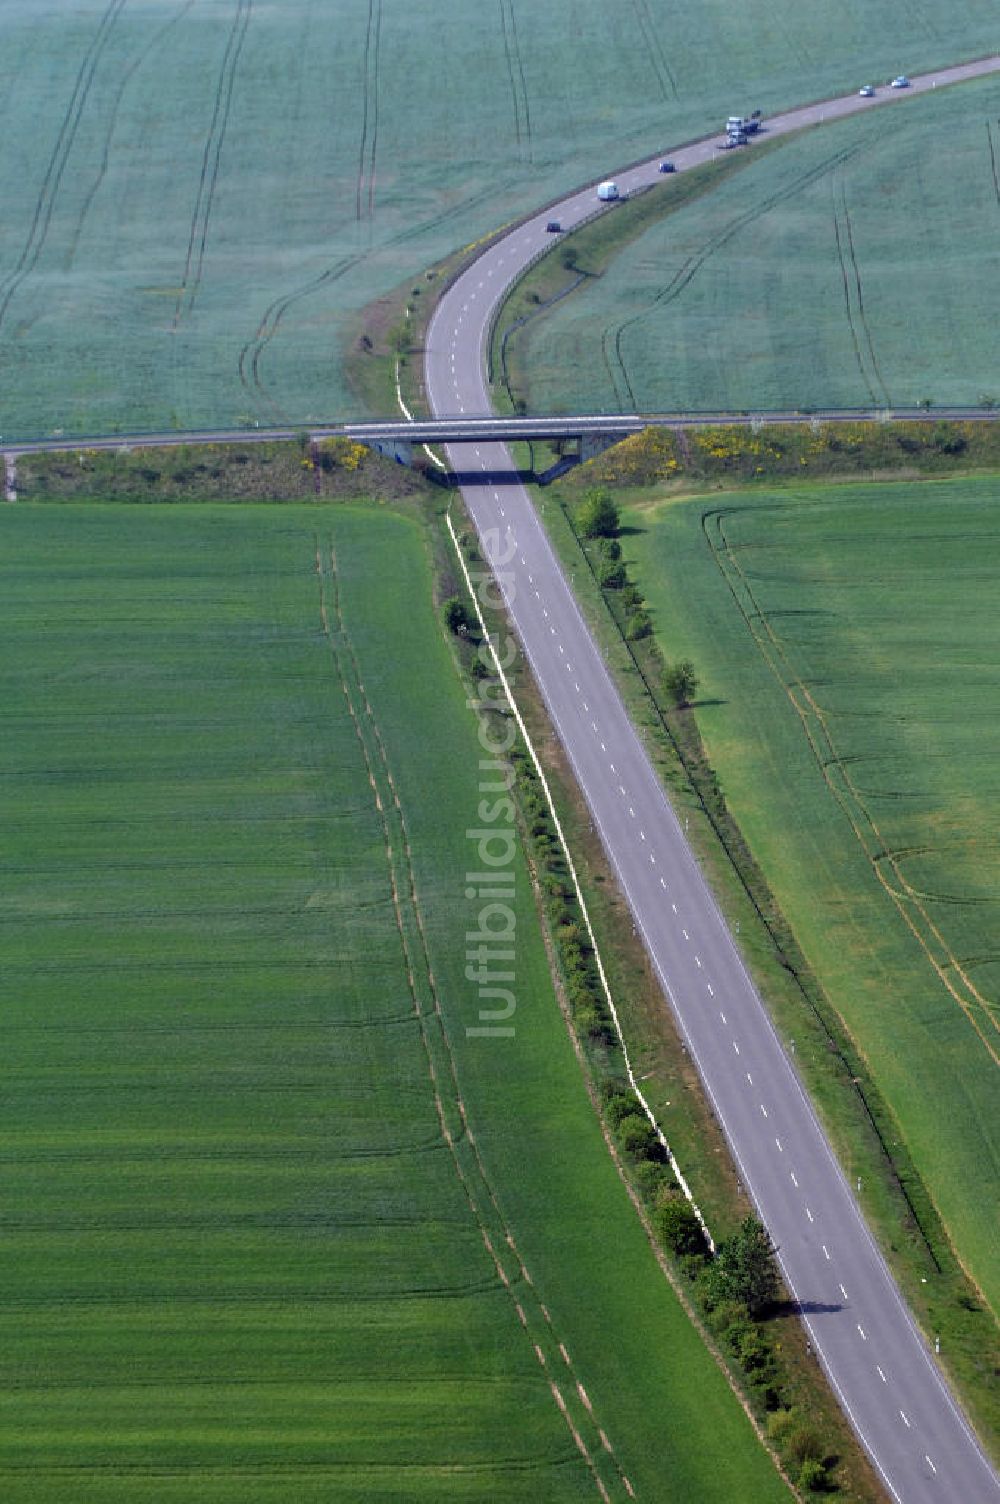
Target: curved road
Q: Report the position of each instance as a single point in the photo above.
(879, 1365)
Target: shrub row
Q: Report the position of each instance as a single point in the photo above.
(737, 1291)
(597, 521)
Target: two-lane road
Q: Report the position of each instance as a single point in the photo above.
(878, 1363)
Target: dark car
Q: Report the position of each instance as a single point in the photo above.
(667, 167)
(553, 227)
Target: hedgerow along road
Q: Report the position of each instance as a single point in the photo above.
(879, 1365)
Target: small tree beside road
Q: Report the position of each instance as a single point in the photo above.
(681, 683)
(599, 517)
(458, 618)
(745, 1270)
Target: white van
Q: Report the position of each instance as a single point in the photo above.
(607, 192)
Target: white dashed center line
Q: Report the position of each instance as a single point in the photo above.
(902, 1416)
(826, 1251)
(881, 1374)
(861, 1332)
(842, 1291)
(794, 1181)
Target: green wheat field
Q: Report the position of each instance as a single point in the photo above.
(199, 196)
(847, 643)
(274, 1227)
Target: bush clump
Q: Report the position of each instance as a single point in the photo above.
(599, 517)
(458, 618)
(678, 1228)
(638, 1138)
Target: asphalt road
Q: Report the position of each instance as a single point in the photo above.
(880, 1367)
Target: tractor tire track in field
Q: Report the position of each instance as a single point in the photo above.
(364, 204)
(515, 74)
(126, 79)
(567, 1391)
(613, 335)
(52, 178)
(834, 771)
(190, 281)
(854, 300)
(993, 159)
(653, 49)
(252, 352)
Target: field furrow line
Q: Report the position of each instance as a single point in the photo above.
(375, 101)
(993, 160)
(363, 143)
(877, 851)
(498, 1238)
(856, 268)
(211, 156)
(654, 50)
(52, 179)
(364, 197)
(126, 79)
(617, 373)
(252, 351)
(838, 240)
(519, 64)
(502, 5)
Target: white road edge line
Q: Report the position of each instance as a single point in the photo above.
(584, 911)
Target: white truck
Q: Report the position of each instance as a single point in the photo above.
(747, 125)
(608, 192)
